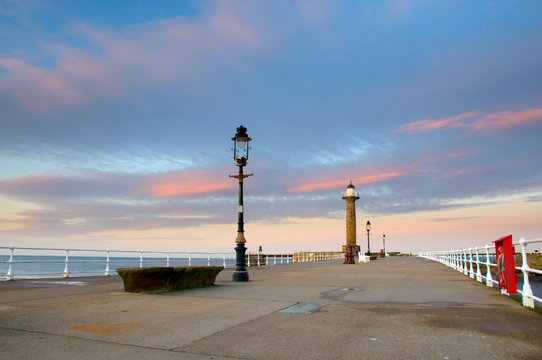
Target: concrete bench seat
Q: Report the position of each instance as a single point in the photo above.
(156, 279)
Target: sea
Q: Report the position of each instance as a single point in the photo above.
(35, 266)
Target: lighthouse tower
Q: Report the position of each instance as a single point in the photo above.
(350, 197)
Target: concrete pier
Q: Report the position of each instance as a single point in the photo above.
(394, 308)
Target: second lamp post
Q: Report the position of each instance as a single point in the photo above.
(368, 227)
(240, 155)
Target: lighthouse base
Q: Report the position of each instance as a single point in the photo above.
(355, 248)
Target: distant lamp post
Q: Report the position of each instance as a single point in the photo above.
(384, 244)
(240, 155)
(368, 227)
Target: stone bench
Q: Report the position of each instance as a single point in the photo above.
(156, 279)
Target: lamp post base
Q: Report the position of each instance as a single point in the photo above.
(240, 276)
(240, 273)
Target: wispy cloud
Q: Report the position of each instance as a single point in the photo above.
(184, 184)
(488, 123)
(315, 185)
(508, 119)
(427, 125)
(119, 60)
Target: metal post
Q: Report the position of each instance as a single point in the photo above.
(224, 261)
(527, 290)
(167, 258)
(9, 275)
(240, 273)
(208, 259)
(489, 278)
(465, 266)
(368, 244)
(478, 273)
(140, 258)
(107, 262)
(471, 271)
(190, 258)
(66, 271)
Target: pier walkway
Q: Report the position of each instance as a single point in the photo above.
(394, 308)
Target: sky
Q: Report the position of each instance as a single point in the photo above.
(116, 119)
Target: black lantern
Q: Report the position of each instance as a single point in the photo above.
(368, 227)
(241, 146)
(240, 155)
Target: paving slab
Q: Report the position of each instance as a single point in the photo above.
(407, 308)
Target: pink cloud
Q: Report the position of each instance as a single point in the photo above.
(334, 184)
(187, 183)
(508, 119)
(156, 53)
(165, 185)
(460, 154)
(488, 123)
(38, 88)
(427, 125)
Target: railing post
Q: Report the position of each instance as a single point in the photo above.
(66, 270)
(274, 259)
(281, 258)
(140, 258)
(107, 262)
(190, 258)
(478, 273)
(457, 260)
(9, 275)
(258, 257)
(208, 259)
(471, 270)
(465, 266)
(167, 258)
(527, 290)
(224, 261)
(489, 278)
(248, 260)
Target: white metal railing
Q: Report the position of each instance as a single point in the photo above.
(469, 261)
(33, 262)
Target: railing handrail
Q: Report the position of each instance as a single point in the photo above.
(143, 255)
(115, 250)
(463, 261)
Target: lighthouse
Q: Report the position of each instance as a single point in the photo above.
(350, 197)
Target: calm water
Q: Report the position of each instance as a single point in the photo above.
(30, 266)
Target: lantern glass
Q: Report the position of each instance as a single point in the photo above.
(241, 147)
(368, 226)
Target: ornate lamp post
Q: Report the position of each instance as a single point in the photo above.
(240, 155)
(368, 227)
